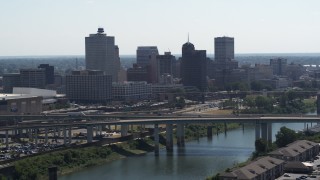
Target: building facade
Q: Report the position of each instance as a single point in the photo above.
(265, 168)
(279, 66)
(165, 64)
(101, 53)
(19, 104)
(131, 91)
(144, 53)
(193, 67)
(223, 48)
(35, 78)
(89, 86)
(9, 81)
(49, 72)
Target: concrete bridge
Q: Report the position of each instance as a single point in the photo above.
(263, 126)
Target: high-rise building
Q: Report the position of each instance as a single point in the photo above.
(9, 81)
(89, 86)
(35, 78)
(193, 67)
(279, 66)
(49, 71)
(144, 53)
(221, 68)
(224, 48)
(100, 53)
(165, 64)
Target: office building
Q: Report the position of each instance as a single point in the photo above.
(9, 81)
(89, 86)
(279, 66)
(49, 72)
(137, 73)
(165, 64)
(35, 78)
(224, 48)
(221, 68)
(144, 53)
(193, 67)
(101, 53)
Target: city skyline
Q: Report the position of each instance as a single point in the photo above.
(49, 27)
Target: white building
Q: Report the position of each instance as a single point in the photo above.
(131, 91)
(101, 53)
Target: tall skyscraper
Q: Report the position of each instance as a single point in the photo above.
(144, 53)
(221, 68)
(193, 67)
(100, 53)
(224, 48)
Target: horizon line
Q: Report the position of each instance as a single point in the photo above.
(271, 53)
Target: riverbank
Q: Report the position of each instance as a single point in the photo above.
(76, 159)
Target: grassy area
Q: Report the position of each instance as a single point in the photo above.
(220, 112)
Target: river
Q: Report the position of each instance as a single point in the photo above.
(197, 160)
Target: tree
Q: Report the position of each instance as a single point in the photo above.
(285, 136)
(260, 145)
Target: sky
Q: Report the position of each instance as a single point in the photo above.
(59, 27)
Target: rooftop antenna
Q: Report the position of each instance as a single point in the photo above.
(188, 37)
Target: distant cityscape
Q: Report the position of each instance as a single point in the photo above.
(102, 76)
(78, 101)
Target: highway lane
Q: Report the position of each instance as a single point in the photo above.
(176, 120)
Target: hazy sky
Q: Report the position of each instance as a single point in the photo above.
(58, 27)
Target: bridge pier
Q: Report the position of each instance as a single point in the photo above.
(318, 104)
(180, 134)
(70, 135)
(36, 137)
(64, 135)
(270, 133)
(89, 133)
(100, 130)
(225, 128)
(169, 137)
(124, 130)
(257, 130)
(156, 139)
(264, 131)
(46, 135)
(209, 131)
(7, 139)
(30, 134)
(59, 132)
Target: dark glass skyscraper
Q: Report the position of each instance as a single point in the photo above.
(193, 67)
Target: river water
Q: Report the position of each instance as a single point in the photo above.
(197, 160)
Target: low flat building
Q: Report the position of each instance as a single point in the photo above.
(19, 104)
(301, 150)
(131, 91)
(266, 168)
